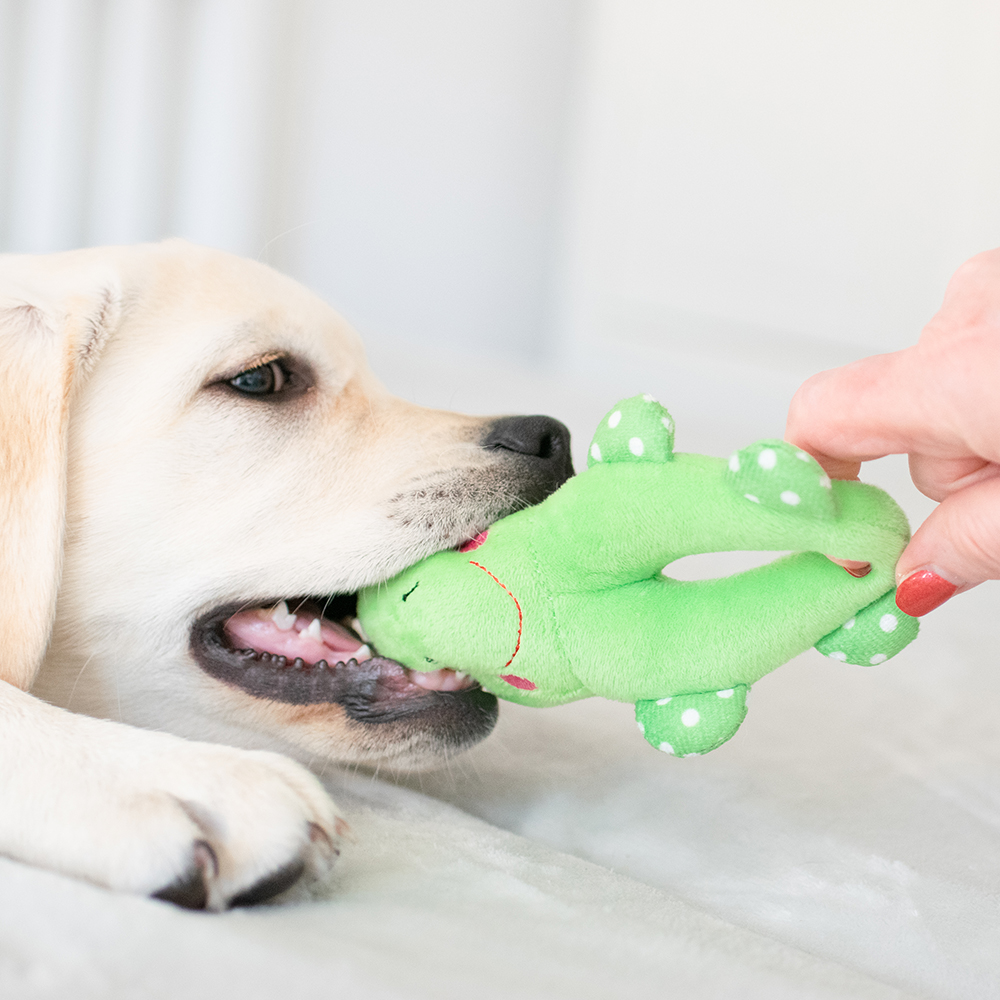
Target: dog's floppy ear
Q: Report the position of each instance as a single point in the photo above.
(55, 315)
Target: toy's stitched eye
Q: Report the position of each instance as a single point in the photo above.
(264, 380)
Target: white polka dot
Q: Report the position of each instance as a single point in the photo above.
(728, 693)
(850, 624)
(802, 456)
(888, 623)
(690, 717)
(664, 701)
(615, 419)
(649, 399)
(877, 659)
(838, 656)
(666, 748)
(595, 452)
(666, 421)
(636, 446)
(767, 459)
(642, 728)
(792, 499)
(824, 481)
(734, 463)
(750, 496)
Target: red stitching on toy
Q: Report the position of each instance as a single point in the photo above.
(520, 616)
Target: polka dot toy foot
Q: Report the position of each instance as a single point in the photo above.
(575, 597)
(636, 430)
(689, 724)
(872, 636)
(782, 477)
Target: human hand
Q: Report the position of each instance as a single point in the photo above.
(939, 403)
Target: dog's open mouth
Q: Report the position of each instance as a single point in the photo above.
(303, 639)
(310, 651)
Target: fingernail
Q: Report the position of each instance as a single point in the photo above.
(856, 567)
(922, 591)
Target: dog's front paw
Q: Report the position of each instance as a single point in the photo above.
(200, 825)
(238, 827)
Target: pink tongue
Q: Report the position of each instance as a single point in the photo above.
(257, 629)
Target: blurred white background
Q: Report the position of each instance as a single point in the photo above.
(706, 199)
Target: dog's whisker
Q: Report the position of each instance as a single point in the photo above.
(243, 607)
(287, 232)
(118, 692)
(72, 694)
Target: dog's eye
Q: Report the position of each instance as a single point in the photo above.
(265, 380)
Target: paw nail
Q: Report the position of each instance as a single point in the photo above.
(206, 858)
(923, 591)
(324, 841)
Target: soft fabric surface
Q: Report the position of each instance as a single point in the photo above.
(844, 844)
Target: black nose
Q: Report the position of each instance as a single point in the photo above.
(543, 442)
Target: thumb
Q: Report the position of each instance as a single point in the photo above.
(955, 549)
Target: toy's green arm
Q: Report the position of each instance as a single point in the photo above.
(705, 635)
(640, 506)
(625, 522)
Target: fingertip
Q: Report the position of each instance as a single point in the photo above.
(848, 415)
(835, 468)
(803, 408)
(956, 548)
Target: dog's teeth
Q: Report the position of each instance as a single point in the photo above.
(298, 663)
(314, 630)
(356, 625)
(362, 653)
(320, 665)
(279, 661)
(282, 617)
(461, 675)
(248, 653)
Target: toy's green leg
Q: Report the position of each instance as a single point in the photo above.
(875, 634)
(690, 724)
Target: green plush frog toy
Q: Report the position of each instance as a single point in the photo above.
(574, 598)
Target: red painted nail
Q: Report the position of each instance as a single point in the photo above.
(923, 591)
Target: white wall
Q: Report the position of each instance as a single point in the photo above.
(432, 158)
(752, 174)
(685, 192)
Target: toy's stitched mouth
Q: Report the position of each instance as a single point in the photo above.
(309, 651)
(517, 605)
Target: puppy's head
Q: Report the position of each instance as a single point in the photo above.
(234, 473)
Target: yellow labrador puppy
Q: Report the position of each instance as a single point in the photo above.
(197, 471)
